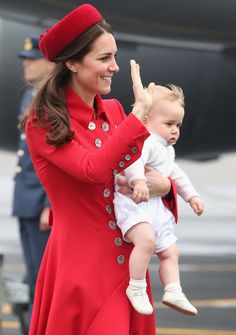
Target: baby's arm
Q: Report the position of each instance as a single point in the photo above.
(196, 204)
(183, 184)
(186, 190)
(140, 191)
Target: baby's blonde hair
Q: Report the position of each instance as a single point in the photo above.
(171, 92)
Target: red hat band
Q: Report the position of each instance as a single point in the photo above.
(57, 38)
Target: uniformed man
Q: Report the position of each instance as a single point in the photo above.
(30, 202)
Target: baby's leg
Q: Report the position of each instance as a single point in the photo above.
(170, 278)
(169, 265)
(143, 239)
(142, 236)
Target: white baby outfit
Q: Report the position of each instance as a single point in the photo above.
(159, 155)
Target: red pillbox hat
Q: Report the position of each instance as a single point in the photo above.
(65, 31)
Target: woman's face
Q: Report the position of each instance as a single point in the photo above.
(93, 75)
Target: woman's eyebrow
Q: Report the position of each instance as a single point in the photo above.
(109, 53)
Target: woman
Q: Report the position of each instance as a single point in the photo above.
(78, 142)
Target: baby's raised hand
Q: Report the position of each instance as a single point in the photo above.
(140, 191)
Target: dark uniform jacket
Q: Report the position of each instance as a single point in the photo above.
(29, 196)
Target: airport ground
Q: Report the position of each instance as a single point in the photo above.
(207, 244)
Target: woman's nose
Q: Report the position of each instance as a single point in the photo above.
(114, 67)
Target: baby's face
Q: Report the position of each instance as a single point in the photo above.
(166, 120)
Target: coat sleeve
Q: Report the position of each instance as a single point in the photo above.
(77, 161)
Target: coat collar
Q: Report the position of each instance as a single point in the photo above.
(80, 111)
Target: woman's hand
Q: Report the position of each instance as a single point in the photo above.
(143, 97)
(157, 184)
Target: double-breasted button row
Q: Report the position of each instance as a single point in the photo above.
(92, 126)
(112, 225)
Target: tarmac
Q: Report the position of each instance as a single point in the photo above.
(207, 245)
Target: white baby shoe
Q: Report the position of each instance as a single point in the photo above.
(140, 301)
(179, 302)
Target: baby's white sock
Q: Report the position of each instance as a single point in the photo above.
(137, 284)
(173, 288)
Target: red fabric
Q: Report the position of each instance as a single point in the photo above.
(67, 30)
(81, 286)
(170, 201)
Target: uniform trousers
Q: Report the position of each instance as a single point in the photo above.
(33, 243)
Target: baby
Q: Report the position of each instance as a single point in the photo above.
(146, 222)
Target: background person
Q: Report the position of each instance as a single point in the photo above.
(30, 202)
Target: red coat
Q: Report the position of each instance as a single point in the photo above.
(84, 272)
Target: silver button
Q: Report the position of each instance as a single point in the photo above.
(108, 209)
(105, 126)
(115, 172)
(106, 193)
(118, 241)
(20, 152)
(22, 136)
(112, 225)
(98, 142)
(127, 157)
(134, 150)
(18, 169)
(120, 259)
(121, 164)
(91, 125)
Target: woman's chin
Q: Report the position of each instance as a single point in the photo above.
(105, 90)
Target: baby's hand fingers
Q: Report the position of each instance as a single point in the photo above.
(200, 209)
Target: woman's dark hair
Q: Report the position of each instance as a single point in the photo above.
(49, 103)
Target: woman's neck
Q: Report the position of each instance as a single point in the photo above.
(85, 95)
